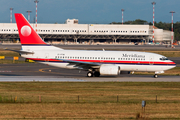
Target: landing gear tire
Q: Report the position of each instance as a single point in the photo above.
(96, 74)
(90, 74)
(155, 76)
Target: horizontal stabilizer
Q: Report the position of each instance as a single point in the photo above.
(21, 51)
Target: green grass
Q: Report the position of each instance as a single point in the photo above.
(174, 71)
(8, 53)
(97, 100)
(167, 53)
(88, 92)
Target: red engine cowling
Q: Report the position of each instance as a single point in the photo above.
(109, 70)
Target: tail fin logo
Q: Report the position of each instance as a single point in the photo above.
(27, 34)
(26, 31)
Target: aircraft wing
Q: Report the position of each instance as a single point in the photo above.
(82, 65)
(21, 51)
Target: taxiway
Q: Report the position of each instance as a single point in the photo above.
(35, 72)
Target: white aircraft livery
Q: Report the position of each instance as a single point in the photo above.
(96, 63)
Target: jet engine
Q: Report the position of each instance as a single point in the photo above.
(109, 70)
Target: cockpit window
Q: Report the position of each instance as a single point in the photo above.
(164, 58)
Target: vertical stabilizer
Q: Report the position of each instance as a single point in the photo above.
(30, 40)
(27, 34)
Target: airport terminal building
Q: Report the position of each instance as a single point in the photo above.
(73, 33)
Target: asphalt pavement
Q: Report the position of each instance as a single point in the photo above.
(43, 73)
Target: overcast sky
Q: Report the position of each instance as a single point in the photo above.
(91, 11)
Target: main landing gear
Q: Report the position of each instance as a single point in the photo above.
(155, 76)
(91, 74)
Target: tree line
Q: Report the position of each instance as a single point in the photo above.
(161, 25)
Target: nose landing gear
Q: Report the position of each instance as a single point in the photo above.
(158, 72)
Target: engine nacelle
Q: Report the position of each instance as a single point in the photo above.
(109, 70)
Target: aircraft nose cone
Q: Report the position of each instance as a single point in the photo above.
(173, 63)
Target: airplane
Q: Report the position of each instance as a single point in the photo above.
(96, 63)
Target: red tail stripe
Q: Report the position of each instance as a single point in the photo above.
(26, 32)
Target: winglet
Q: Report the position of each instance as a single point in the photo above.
(27, 34)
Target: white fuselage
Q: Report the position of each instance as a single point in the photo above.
(126, 60)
